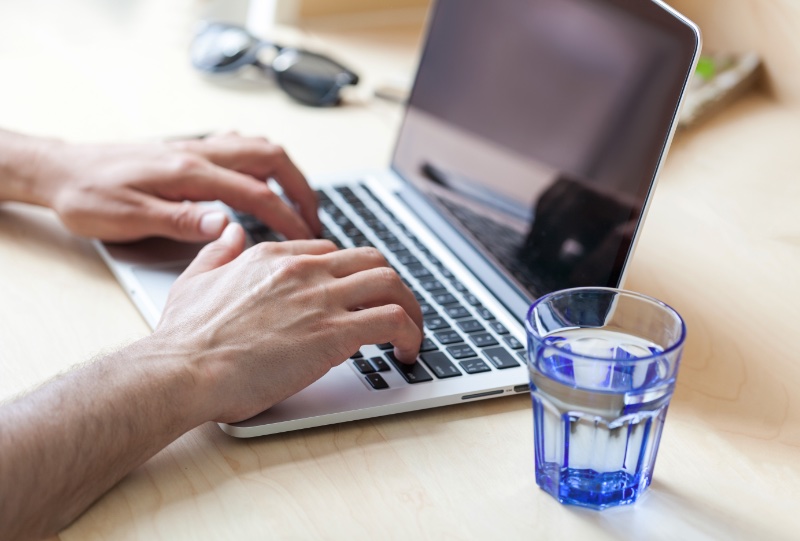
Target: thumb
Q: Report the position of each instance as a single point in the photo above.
(218, 253)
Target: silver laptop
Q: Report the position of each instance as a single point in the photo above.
(525, 164)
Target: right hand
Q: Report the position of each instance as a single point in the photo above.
(260, 325)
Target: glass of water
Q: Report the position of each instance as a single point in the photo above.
(602, 364)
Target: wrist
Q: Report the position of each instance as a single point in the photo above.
(173, 368)
(24, 168)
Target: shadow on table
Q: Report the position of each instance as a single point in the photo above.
(692, 519)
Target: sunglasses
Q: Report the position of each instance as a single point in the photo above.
(310, 78)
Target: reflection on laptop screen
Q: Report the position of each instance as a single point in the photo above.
(542, 141)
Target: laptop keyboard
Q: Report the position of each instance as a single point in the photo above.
(502, 242)
(462, 337)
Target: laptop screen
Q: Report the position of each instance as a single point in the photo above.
(536, 128)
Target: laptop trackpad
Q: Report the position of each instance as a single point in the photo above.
(156, 281)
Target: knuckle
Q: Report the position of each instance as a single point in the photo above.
(395, 315)
(387, 276)
(185, 163)
(296, 265)
(374, 255)
(262, 250)
(275, 151)
(328, 244)
(67, 205)
(262, 192)
(183, 217)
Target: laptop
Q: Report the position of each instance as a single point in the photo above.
(525, 164)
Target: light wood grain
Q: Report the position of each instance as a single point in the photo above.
(768, 28)
(721, 244)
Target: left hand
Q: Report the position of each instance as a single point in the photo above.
(128, 192)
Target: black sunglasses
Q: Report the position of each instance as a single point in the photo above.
(308, 77)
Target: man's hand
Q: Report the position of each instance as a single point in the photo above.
(241, 331)
(128, 192)
(260, 325)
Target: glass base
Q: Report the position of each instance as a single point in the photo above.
(588, 488)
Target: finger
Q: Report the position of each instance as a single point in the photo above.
(296, 188)
(300, 247)
(257, 157)
(218, 253)
(184, 221)
(388, 323)
(247, 194)
(352, 260)
(377, 287)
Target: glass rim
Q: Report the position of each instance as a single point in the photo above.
(677, 345)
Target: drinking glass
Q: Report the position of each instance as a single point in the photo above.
(602, 365)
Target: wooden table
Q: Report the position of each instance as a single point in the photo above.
(721, 244)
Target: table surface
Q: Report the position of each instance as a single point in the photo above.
(721, 244)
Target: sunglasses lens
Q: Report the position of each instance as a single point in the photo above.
(220, 47)
(310, 78)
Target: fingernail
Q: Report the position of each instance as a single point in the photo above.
(229, 235)
(211, 223)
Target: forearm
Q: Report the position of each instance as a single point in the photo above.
(21, 164)
(68, 442)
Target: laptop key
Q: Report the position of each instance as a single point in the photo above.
(375, 224)
(431, 284)
(470, 325)
(385, 346)
(406, 258)
(448, 337)
(483, 339)
(512, 342)
(412, 373)
(444, 299)
(345, 191)
(498, 327)
(474, 366)
(352, 232)
(386, 236)
(395, 246)
(427, 309)
(461, 288)
(500, 358)
(343, 221)
(461, 351)
(457, 311)
(361, 242)
(435, 323)
(418, 271)
(472, 300)
(380, 364)
(440, 365)
(485, 313)
(446, 273)
(377, 381)
(357, 355)
(364, 366)
(428, 345)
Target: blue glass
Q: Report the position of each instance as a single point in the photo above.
(602, 366)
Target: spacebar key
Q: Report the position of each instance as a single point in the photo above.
(412, 373)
